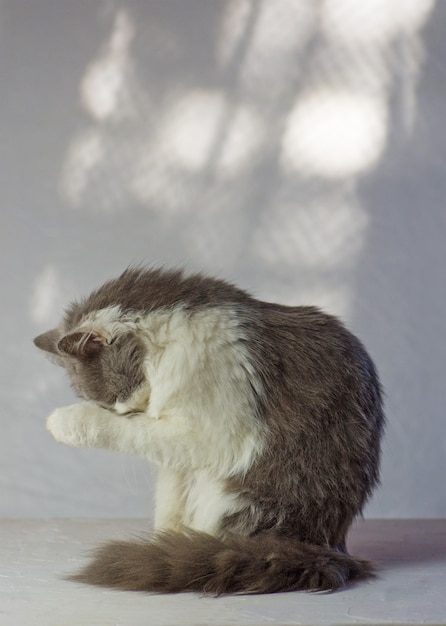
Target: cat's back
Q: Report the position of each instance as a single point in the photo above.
(309, 359)
(303, 333)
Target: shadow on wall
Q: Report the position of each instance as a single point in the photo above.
(243, 127)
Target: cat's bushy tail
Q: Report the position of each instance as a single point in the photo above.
(173, 562)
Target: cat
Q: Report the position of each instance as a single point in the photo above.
(265, 422)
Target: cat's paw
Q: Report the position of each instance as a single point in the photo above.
(67, 425)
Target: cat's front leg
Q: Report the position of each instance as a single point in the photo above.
(81, 425)
(166, 441)
(171, 491)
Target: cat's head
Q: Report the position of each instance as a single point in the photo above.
(105, 365)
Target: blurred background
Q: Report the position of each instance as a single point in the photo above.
(294, 147)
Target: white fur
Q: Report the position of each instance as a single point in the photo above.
(199, 370)
(197, 413)
(170, 499)
(105, 322)
(207, 502)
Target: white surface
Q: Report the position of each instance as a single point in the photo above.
(294, 147)
(35, 555)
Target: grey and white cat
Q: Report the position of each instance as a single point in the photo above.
(264, 420)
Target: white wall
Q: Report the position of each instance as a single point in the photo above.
(294, 147)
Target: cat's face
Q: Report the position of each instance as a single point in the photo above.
(108, 371)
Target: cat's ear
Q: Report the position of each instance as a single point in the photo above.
(48, 341)
(81, 344)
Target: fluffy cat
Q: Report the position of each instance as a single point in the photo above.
(264, 420)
